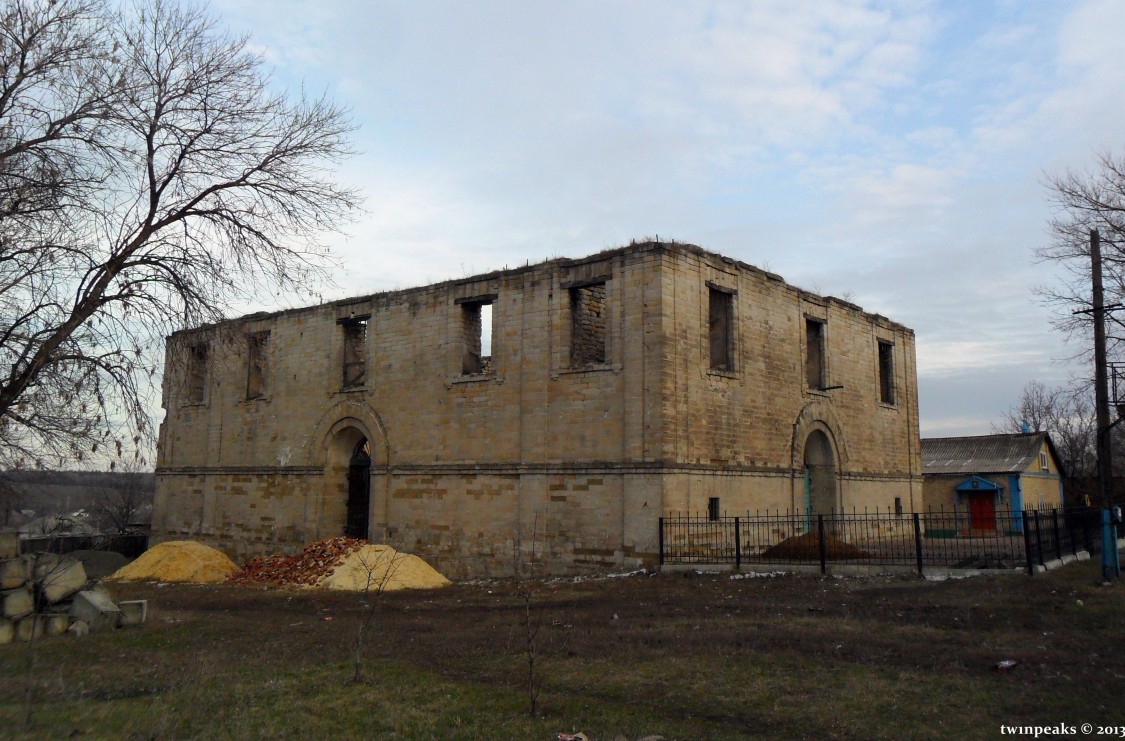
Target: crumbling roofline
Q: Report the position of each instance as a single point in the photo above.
(635, 247)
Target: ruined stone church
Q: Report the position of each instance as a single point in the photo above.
(553, 411)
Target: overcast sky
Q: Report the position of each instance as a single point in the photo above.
(890, 153)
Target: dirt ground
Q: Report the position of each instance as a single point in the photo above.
(962, 618)
(707, 654)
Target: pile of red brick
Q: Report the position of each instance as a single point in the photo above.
(312, 564)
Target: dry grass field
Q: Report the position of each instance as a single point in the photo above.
(697, 656)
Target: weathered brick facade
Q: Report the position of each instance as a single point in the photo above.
(618, 387)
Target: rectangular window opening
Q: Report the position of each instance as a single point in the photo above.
(720, 324)
(886, 373)
(355, 352)
(587, 325)
(196, 386)
(1043, 461)
(814, 358)
(713, 508)
(257, 347)
(477, 330)
(898, 506)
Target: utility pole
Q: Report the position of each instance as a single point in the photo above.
(1101, 380)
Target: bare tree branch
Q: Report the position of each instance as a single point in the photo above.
(1085, 200)
(149, 180)
(1067, 414)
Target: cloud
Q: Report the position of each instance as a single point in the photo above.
(890, 152)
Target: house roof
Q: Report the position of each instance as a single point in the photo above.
(1005, 453)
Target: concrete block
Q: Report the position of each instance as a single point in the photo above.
(133, 612)
(17, 603)
(58, 576)
(7, 631)
(95, 609)
(14, 572)
(9, 544)
(101, 589)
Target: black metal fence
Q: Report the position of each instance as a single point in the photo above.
(129, 545)
(945, 539)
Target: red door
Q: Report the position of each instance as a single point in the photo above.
(982, 511)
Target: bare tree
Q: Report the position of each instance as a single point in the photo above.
(45, 573)
(1085, 200)
(375, 567)
(11, 499)
(1067, 414)
(536, 647)
(149, 179)
(1037, 409)
(118, 505)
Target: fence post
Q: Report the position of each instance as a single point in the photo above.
(1069, 522)
(1039, 539)
(1090, 546)
(823, 549)
(1058, 543)
(918, 542)
(660, 537)
(1027, 545)
(737, 546)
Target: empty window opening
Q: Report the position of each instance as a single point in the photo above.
(713, 508)
(588, 325)
(257, 346)
(477, 329)
(898, 506)
(196, 386)
(721, 326)
(355, 352)
(814, 357)
(886, 373)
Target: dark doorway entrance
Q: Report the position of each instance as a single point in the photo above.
(359, 491)
(820, 475)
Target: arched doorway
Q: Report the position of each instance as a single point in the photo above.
(820, 475)
(346, 503)
(359, 491)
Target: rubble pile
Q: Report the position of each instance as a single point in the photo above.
(178, 561)
(44, 594)
(307, 568)
(342, 563)
(807, 548)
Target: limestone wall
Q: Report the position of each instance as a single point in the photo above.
(594, 410)
(465, 466)
(746, 426)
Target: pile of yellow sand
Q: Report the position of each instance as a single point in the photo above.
(382, 568)
(178, 561)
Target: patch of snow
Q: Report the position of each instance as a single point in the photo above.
(759, 575)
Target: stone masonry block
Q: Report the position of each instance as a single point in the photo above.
(9, 544)
(14, 572)
(17, 603)
(58, 576)
(7, 631)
